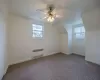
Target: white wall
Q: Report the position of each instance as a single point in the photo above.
(78, 45)
(21, 42)
(3, 45)
(93, 46)
(64, 43)
(69, 38)
(91, 21)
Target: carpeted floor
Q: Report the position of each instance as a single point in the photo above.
(55, 67)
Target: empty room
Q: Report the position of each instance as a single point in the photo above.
(49, 40)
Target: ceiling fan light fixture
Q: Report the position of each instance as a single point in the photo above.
(50, 13)
(50, 19)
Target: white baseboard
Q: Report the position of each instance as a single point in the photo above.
(50, 54)
(67, 53)
(92, 61)
(28, 59)
(78, 54)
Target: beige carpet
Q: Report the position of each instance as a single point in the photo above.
(55, 67)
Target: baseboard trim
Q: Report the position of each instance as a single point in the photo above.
(44, 55)
(4, 74)
(50, 54)
(78, 54)
(66, 53)
(92, 62)
(3, 77)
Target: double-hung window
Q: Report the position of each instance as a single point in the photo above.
(79, 32)
(37, 31)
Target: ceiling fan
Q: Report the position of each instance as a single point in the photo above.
(50, 13)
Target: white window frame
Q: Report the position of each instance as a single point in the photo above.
(34, 31)
(79, 34)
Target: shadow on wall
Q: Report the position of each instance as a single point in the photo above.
(76, 38)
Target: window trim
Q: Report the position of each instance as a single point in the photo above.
(78, 33)
(38, 31)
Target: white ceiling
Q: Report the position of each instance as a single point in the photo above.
(69, 9)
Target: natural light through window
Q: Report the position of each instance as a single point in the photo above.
(79, 32)
(37, 31)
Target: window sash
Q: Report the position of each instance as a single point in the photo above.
(37, 27)
(80, 35)
(37, 34)
(37, 31)
(79, 30)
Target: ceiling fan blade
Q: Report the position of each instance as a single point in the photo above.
(42, 10)
(44, 17)
(58, 16)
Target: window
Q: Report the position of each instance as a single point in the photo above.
(37, 31)
(79, 32)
